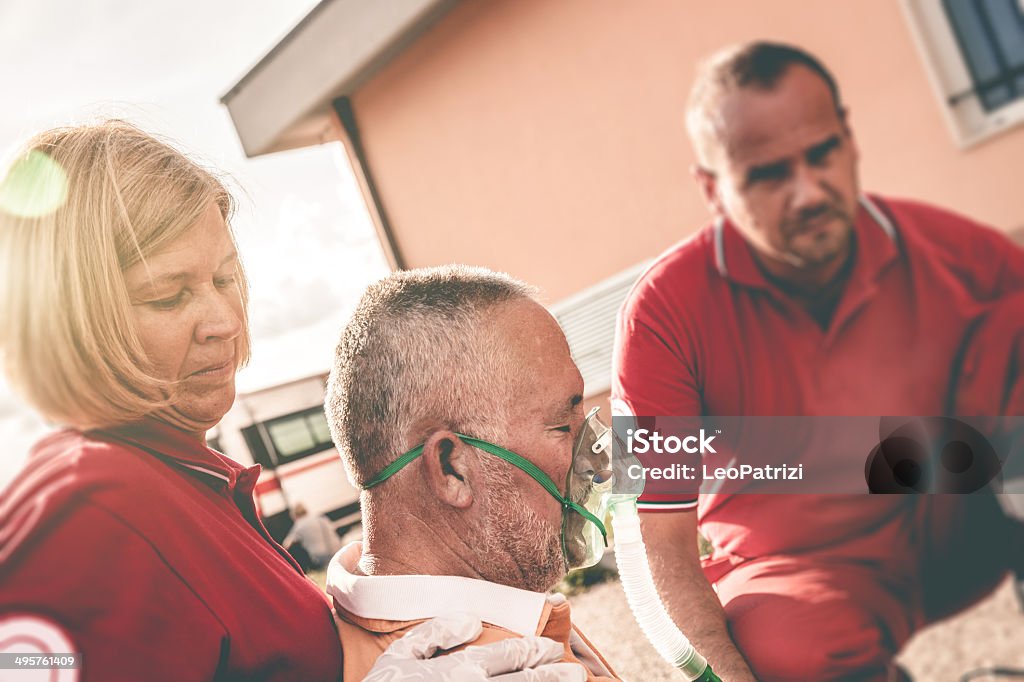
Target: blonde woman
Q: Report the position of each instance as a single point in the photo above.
(123, 319)
(125, 539)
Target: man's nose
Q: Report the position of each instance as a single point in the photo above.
(220, 316)
(808, 189)
(588, 463)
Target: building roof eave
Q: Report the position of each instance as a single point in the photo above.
(284, 101)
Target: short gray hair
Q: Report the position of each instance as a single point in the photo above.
(758, 64)
(416, 354)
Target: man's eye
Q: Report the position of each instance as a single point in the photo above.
(820, 154)
(772, 173)
(564, 429)
(818, 157)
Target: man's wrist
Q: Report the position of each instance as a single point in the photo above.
(722, 655)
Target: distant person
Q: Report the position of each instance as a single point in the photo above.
(807, 297)
(456, 406)
(315, 534)
(125, 538)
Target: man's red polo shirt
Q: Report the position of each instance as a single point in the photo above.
(703, 332)
(141, 549)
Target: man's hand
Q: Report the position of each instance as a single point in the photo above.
(526, 659)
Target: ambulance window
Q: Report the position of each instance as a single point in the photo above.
(321, 431)
(299, 434)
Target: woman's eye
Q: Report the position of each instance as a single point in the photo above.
(167, 303)
(224, 282)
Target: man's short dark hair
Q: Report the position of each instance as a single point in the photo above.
(759, 65)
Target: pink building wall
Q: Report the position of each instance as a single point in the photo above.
(546, 138)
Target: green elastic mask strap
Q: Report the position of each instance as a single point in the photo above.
(512, 458)
(536, 474)
(393, 468)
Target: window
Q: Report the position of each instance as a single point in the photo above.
(974, 50)
(293, 437)
(990, 34)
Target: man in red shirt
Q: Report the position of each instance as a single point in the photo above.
(806, 297)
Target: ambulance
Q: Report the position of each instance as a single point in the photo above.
(284, 429)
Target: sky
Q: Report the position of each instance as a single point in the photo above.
(304, 234)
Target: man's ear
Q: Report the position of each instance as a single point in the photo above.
(448, 465)
(707, 183)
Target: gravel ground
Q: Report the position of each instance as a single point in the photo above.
(990, 633)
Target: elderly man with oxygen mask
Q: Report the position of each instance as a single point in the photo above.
(502, 487)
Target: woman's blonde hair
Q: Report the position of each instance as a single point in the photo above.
(78, 207)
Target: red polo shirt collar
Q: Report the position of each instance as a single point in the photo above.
(877, 248)
(183, 449)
